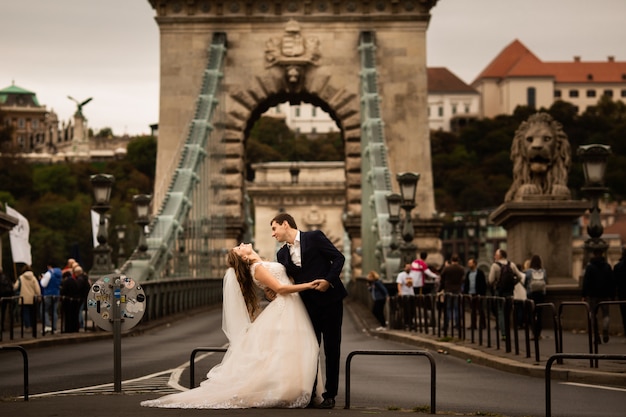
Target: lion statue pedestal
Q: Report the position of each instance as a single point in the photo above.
(543, 227)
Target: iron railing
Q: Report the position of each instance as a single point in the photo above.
(164, 298)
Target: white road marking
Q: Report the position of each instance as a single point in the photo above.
(141, 383)
(594, 386)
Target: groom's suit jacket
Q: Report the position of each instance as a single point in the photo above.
(320, 259)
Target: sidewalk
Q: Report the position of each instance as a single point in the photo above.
(608, 372)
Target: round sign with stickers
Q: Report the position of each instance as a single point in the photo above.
(110, 290)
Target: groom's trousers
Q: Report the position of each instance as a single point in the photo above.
(327, 325)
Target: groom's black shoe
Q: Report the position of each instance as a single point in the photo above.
(327, 403)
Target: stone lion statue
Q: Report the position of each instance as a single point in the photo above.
(541, 159)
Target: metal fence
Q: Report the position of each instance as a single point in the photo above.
(473, 318)
(163, 298)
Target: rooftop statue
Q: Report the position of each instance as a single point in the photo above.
(541, 158)
(79, 105)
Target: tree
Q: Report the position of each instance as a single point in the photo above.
(57, 200)
(141, 153)
(105, 132)
(16, 177)
(270, 133)
(271, 139)
(6, 133)
(57, 179)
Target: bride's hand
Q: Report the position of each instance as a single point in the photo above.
(322, 285)
(314, 284)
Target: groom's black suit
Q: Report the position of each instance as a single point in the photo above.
(321, 259)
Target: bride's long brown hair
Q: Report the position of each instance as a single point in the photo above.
(244, 277)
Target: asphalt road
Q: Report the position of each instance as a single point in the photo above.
(156, 361)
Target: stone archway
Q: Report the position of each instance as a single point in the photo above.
(279, 50)
(342, 105)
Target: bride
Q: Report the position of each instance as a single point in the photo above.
(273, 354)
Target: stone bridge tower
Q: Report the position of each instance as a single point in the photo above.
(299, 51)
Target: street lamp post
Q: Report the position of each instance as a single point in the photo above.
(594, 158)
(470, 227)
(393, 257)
(120, 229)
(408, 185)
(183, 258)
(102, 185)
(205, 230)
(396, 259)
(482, 240)
(393, 207)
(142, 209)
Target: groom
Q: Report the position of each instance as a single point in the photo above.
(308, 256)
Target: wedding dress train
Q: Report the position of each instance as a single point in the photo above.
(270, 363)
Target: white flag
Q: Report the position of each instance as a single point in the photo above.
(18, 236)
(95, 225)
(95, 221)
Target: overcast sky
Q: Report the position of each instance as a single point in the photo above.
(109, 49)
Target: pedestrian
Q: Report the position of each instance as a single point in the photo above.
(69, 266)
(6, 292)
(619, 275)
(475, 285)
(423, 278)
(598, 286)
(51, 284)
(308, 256)
(379, 295)
(536, 284)
(406, 298)
(70, 302)
(404, 280)
(29, 290)
(520, 297)
(83, 289)
(503, 275)
(451, 284)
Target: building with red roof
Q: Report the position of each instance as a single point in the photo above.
(517, 77)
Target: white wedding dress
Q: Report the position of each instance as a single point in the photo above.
(270, 363)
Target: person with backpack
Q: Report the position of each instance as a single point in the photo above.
(503, 276)
(536, 282)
